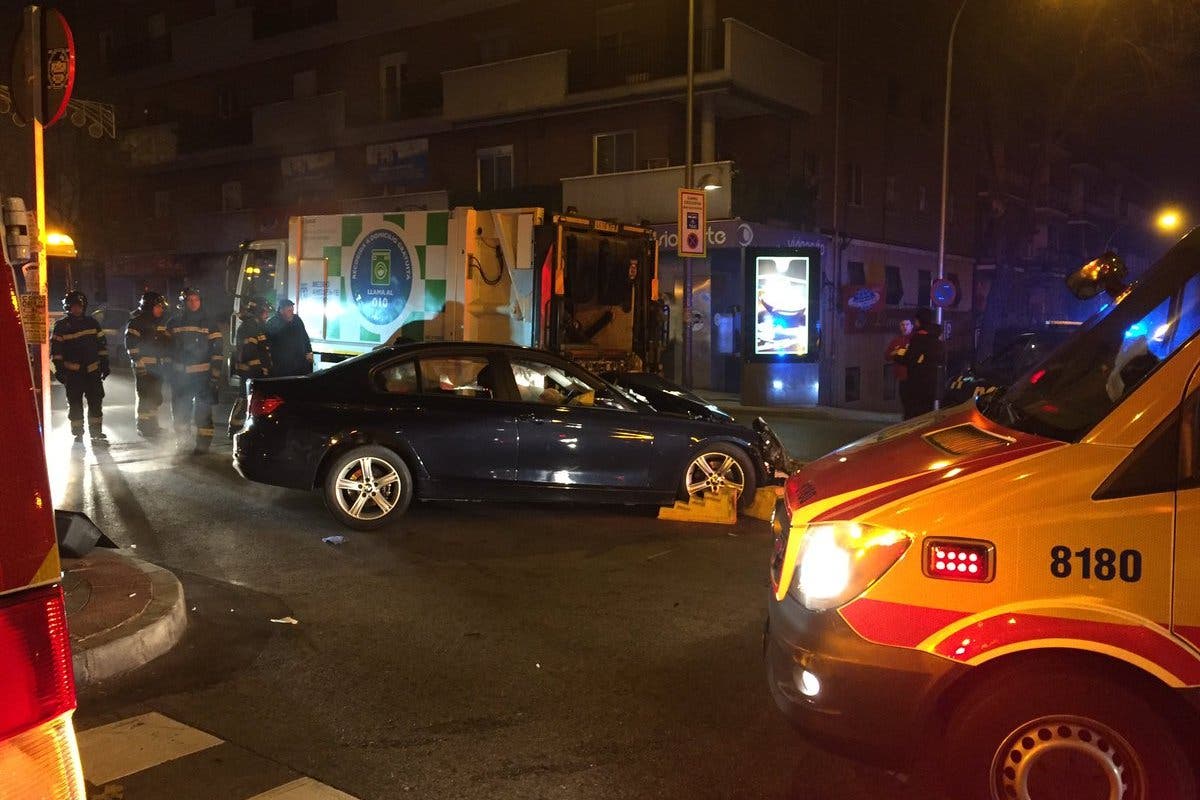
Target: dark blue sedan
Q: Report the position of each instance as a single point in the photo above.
(484, 422)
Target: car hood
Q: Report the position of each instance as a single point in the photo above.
(904, 459)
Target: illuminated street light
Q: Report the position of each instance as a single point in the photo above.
(61, 245)
(1168, 220)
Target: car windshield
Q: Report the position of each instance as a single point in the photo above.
(1067, 394)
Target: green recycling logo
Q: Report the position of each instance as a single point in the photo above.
(381, 267)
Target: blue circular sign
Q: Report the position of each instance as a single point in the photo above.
(381, 276)
(943, 293)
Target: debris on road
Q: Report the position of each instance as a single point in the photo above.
(287, 621)
(334, 540)
(660, 555)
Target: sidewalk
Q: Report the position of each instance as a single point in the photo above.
(733, 404)
(121, 613)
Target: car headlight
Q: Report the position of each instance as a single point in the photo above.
(838, 561)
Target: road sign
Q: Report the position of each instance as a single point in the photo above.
(943, 293)
(693, 223)
(34, 318)
(43, 66)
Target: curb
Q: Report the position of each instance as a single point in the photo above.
(139, 640)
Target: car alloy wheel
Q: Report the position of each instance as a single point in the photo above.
(712, 472)
(367, 489)
(1058, 755)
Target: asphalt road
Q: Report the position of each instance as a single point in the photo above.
(469, 651)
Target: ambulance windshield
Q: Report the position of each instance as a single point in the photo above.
(1067, 394)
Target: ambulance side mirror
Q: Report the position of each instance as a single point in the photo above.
(1106, 273)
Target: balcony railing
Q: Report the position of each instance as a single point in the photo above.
(273, 19)
(639, 60)
(139, 55)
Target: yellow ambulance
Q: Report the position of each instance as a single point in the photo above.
(1005, 596)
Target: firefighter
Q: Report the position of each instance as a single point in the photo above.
(79, 353)
(291, 350)
(196, 361)
(924, 353)
(149, 349)
(251, 355)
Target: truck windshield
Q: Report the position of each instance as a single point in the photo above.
(1067, 394)
(258, 275)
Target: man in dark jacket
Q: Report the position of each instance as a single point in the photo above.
(922, 357)
(79, 353)
(291, 350)
(251, 355)
(196, 357)
(149, 350)
(896, 349)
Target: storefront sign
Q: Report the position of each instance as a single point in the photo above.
(862, 298)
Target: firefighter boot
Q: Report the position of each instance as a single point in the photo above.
(96, 430)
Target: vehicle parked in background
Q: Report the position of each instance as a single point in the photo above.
(471, 421)
(1022, 351)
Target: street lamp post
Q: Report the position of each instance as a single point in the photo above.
(687, 181)
(946, 172)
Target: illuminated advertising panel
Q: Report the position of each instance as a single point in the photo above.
(783, 287)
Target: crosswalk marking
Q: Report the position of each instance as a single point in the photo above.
(137, 743)
(145, 750)
(303, 789)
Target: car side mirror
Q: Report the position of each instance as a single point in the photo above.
(1106, 273)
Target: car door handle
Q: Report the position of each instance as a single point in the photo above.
(529, 416)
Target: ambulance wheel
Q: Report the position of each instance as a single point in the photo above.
(719, 466)
(368, 486)
(1061, 731)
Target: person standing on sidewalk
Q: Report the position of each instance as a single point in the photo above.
(149, 350)
(921, 358)
(79, 353)
(291, 350)
(895, 351)
(251, 355)
(196, 357)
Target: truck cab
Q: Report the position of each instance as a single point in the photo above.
(1008, 598)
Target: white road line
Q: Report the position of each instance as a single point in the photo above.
(135, 744)
(303, 789)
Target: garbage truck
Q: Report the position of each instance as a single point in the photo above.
(581, 287)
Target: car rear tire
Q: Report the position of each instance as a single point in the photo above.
(1064, 732)
(716, 466)
(367, 487)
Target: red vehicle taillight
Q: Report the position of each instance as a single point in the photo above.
(261, 406)
(38, 756)
(960, 560)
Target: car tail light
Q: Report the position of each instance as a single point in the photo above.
(960, 560)
(38, 756)
(261, 406)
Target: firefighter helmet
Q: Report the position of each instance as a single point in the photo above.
(151, 299)
(187, 292)
(74, 298)
(252, 306)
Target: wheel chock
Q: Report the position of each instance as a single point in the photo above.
(718, 508)
(763, 506)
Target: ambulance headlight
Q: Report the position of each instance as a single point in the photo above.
(838, 561)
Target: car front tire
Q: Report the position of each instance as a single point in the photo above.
(716, 466)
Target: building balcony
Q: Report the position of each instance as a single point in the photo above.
(648, 194)
(279, 18)
(139, 55)
(316, 121)
(751, 73)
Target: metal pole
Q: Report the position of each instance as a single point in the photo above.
(946, 173)
(688, 181)
(39, 196)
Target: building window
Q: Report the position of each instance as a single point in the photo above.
(226, 102)
(889, 193)
(856, 274)
(614, 152)
(893, 288)
(854, 177)
(924, 287)
(853, 385)
(494, 46)
(922, 200)
(304, 84)
(162, 204)
(393, 71)
(494, 169)
(616, 33)
(156, 25)
(231, 196)
(893, 96)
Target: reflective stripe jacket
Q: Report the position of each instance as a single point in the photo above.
(147, 343)
(251, 357)
(195, 344)
(78, 346)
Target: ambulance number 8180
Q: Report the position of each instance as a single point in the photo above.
(1104, 563)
